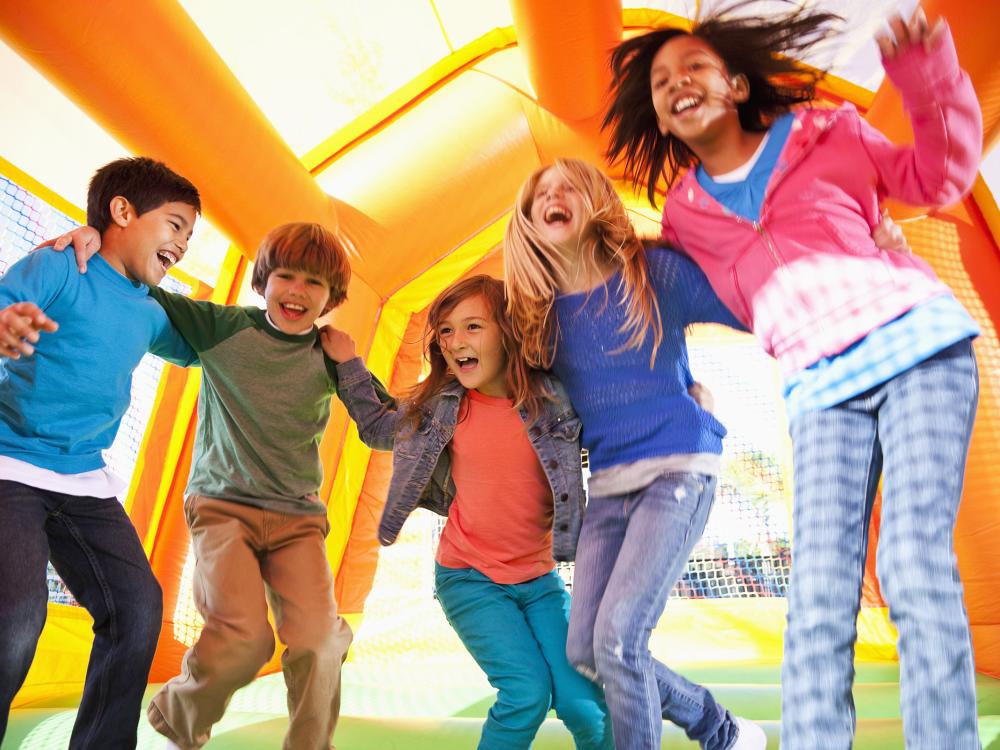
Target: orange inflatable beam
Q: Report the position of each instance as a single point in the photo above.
(566, 48)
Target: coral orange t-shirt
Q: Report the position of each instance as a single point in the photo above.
(500, 522)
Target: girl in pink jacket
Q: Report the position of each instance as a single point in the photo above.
(777, 207)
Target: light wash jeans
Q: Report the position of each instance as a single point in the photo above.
(913, 431)
(632, 549)
(517, 633)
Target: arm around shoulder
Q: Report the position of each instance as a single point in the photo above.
(203, 324)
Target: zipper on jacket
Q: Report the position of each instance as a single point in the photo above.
(759, 228)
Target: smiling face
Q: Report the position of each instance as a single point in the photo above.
(694, 95)
(472, 344)
(295, 299)
(557, 210)
(147, 245)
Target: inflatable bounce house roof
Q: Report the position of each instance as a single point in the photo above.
(409, 125)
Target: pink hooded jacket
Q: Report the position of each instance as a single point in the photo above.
(806, 277)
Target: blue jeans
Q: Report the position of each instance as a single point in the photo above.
(517, 634)
(94, 548)
(913, 431)
(632, 550)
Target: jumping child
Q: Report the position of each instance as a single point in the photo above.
(492, 444)
(777, 207)
(608, 317)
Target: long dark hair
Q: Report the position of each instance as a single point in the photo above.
(527, 384)
(760, 48)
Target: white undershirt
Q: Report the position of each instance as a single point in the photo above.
(743, 171)
(96, 483)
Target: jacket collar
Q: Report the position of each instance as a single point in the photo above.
(453, 389)
(810, 124)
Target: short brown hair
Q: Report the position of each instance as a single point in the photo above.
(304, 246)
(146, 183)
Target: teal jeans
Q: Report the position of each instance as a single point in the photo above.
(517, 634)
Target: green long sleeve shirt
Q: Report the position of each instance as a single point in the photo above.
(263, 406)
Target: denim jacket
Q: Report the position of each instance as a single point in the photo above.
(421, 465)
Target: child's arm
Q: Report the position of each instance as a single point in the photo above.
(700, 303)
(86, 242)
(203, 324)
(20, 326)
(375, 412)
(941, 165)
(27, 290)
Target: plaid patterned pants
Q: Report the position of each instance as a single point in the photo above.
(914, 432)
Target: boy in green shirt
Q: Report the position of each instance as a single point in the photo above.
(257, 523)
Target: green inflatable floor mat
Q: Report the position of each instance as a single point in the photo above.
(256, 719)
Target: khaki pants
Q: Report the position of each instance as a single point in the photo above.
(245, 558)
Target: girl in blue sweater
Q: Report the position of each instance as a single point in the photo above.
(609, 319)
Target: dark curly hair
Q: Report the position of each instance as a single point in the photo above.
(760, 48)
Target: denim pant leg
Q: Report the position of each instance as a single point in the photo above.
(925, 425)
(578, 702)
(921, 421)
(838, 460)
(490, 621)
(24, 551)
(601, 537)
(97, 553)
(662, 523)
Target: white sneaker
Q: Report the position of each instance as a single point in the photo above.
(749, 736)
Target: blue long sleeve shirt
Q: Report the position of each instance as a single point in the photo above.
(629, 411)
(61, 406)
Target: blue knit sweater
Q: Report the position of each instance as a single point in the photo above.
(630, 411)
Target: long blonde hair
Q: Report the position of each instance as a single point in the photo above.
(533, 266)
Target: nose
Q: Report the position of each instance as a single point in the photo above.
(457, 340)
(682, 81)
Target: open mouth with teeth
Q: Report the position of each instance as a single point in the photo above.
(292, 310)
(685, 104)
(557, 215)
(166, 259)
(465, 364)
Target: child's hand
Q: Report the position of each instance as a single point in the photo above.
(86, 242)
(905, 35)
(889, 236)
(20, 325)
(338, 345)
(702, 396)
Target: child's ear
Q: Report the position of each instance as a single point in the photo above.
(121, 211)
(740, 86)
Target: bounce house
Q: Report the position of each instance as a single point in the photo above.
(408, 125)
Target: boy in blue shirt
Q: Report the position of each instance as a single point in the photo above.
(63, 392)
